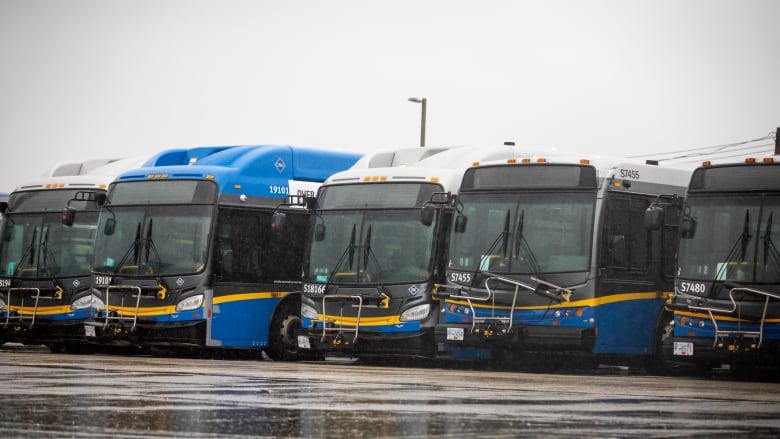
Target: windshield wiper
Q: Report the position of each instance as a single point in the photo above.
(520, 241)
(770, 251)
(28, 251)
(369, 256)
(737, 252)
(47, 252)
(503, 238)
(149, 246)
(134, 249)
(347, 255)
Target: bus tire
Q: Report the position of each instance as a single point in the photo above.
(282, 341)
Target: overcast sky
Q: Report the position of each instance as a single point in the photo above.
(92, 79)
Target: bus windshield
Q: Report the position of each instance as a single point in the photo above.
(734, 238)
(153, 240)
(370, 247)
(526, 233)
(40, 246)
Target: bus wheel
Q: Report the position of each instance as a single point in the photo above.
(282, 341)
(655, 363)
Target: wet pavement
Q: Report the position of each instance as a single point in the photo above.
(59, 395)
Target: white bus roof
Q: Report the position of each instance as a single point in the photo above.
(98, 177)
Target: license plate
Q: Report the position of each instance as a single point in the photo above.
(684, 349)
(455, 334)
(89, 330)
(303, 342)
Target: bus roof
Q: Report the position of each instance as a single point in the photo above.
(97, 178)
(245, 169)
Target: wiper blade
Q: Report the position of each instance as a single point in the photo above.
(149, 247)
(28, 251)
(737, 251)
(348, 256)
(770, 251)
(520, 241)
(134, 249)
(502, 237)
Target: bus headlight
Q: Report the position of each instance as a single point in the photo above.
(418, 312)
(309, 312)
(190, 303)
(90, 301)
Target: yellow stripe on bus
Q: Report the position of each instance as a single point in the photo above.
(596, 301)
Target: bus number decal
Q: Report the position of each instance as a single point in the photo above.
(275, 189)
(5, 283)
(458, 277)
(314, 288)
(102, 280)
(693, 287)
(629, 173)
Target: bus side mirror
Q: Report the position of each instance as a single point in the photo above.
(460, 223)
(687, 227)
(277, 223)
(654, 217)
(310, 202)
(319, 232)
(100, 198)
(427, 214)
(68, 216)
(110, 226)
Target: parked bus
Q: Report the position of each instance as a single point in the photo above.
(377, 251)
(727, 291)
(551, 255)
(186, 259)
(45, 277)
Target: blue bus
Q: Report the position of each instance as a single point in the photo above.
(45, 277)
(727, 289)
(186, 256)
(550, 259)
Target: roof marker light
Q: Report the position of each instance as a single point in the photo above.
(584, 161)
(511, 161)
(541, 160)
(706, 163)
(750, 160)
(769, 160)
(525, 160)
(475, 164)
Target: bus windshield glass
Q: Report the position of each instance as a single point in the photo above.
(526, 233)
(40, 246)
(153, 240)
(370, 247)
(731, 238)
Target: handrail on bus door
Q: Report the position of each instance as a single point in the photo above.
(734, 306)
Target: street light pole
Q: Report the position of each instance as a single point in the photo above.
(424, 103)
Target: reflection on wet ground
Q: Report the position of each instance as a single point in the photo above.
(97, 396)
